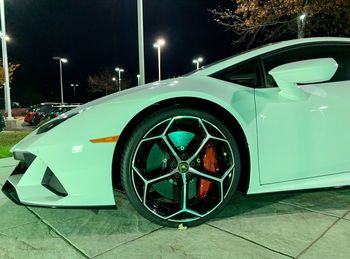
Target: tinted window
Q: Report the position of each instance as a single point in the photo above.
(340, 53)
(243, 74)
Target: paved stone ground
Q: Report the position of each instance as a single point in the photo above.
(309, 224)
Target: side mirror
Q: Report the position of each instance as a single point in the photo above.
(287, 76)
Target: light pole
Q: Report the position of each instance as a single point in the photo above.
(141, 41)
(119, 70)
(159, 44)
(116, 83)
(74, 86)
(198, 61)
(7, 38)
(138, 79)
(60, 61)
(5, 63)
(301, 25)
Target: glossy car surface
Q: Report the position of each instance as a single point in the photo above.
(267, 120)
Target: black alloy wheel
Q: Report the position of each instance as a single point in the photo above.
(180, 166)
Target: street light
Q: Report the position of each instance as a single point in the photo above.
(116, 82)
(301, 25)
(198, 61)
(5, 65)
(7, 38)
(119, 70)
(74, 86)
(138, 79)
(60, 61)
(159, 44)
(141, 41)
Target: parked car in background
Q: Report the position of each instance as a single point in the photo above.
(2, 122)
(32, 110)
(47, 114)
(13, 104)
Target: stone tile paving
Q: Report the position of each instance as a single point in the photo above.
(334, 201)
(12, 215)
(347, 216)
(5, 171)
(281, 227)
(309, 224)
(61, 215)
(199, 242)
(95, 233)
(8, 162)
(34, 240)
(334, 244)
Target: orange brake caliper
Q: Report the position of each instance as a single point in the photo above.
(210, 164)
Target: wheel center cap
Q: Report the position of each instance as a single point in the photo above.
(183, 167)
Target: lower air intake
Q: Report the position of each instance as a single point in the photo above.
(51, 182)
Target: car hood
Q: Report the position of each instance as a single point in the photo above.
(130, 93)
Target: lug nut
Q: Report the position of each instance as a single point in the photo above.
(188, 176)
(177, 176)
(173, 165)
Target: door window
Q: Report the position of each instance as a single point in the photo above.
(246, 74)
(340, 53)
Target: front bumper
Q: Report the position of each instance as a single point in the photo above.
(33, 183)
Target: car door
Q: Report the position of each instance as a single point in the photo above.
(300, 139)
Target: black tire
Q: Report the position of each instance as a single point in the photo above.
(155, 206)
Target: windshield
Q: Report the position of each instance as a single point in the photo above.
(225, 59)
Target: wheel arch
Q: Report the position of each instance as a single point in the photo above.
(191, 102)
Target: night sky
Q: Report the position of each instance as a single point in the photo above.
(101, 34)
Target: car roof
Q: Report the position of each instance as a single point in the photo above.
(239, 57)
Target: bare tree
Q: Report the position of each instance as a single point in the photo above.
(270, 19)
(102, 82)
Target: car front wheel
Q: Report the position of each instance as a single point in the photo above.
(180, 166)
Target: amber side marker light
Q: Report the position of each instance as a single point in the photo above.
(105, 140)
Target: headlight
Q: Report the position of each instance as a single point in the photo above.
(51, 124)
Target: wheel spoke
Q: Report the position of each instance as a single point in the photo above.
(139, 174)
(205, 128)
(198, 150)
(167, 127)
(145, 194)
(151, 138)
(160, 134)
(172, 149)
(194, 213)
(184, 192)
(162, 177)
(220, 139)
(231, 169)
(204, 175)
(175, 214)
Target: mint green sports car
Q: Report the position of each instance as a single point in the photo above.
(271, 119)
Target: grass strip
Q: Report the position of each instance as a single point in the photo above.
(8, 139)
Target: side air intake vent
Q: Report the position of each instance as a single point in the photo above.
(27, 158)
(10, 192)
(51, 182)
